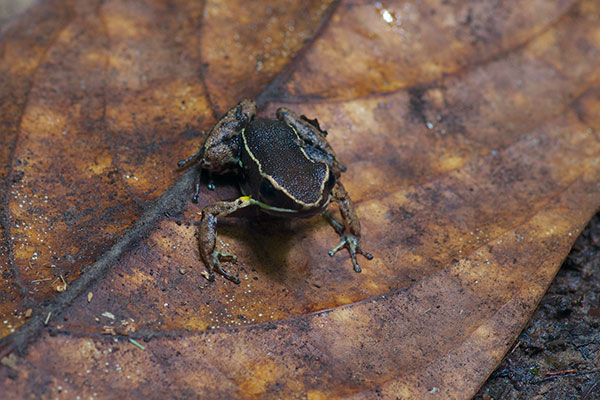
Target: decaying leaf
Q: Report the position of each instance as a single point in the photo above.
(472, 143)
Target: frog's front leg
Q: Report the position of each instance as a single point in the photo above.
(350, 229)
(207, 233)
(219, 153)
(313, 136)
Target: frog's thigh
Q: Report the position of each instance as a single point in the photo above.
(341, 197)
(208, 223)
(223, 208)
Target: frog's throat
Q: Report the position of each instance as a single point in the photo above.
(305, 205)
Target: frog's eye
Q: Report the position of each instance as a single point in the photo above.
(330, 181)
(267, 190)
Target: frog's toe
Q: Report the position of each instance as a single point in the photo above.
(337, 248)
(217, 257)
(352, 243)
(355, 263)
(227, 275)
(225, 256)
(368, 256)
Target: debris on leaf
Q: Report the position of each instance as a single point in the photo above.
(108, 315)
(10, 361)
(47, 318)
(134, 342)
(108, 330)
(61, 287)
(205, 274)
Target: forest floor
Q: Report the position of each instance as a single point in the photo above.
(557, 356)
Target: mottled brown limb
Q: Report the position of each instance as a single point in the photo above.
(350, 230)
(337, 225)
(188, 161)
(318, 148)
(197, 189)
(341, 197)
(207, 235)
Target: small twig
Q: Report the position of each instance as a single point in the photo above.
(569, 373)
(560, 373)
(590, 390)
(47, 318)
(40, 280)
(515, 347)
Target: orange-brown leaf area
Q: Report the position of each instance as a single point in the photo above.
(472, 140)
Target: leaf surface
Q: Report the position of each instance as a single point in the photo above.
(473, 151)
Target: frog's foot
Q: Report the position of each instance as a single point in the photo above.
(211, 182)
(210, 185)
(217, 257)
(196, 192)
(352, 243)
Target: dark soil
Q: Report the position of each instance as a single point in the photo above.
(557, 356)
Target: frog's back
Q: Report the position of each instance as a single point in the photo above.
(275, 147)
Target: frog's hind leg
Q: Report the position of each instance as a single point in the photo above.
(207, 235)
(349, 231)
(317, 146)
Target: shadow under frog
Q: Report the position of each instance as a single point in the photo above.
(285, 168)
(271, 241)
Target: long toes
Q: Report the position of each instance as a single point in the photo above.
(355, 263)
(226, 257)
(337, 248)
(368, 256)
(353, 245)
(227, 275)
(217, 256)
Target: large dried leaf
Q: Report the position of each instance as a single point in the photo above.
(471, 138)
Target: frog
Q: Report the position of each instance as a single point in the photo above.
(285, 168)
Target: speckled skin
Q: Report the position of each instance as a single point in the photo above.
(286, 167)
(269, 147)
